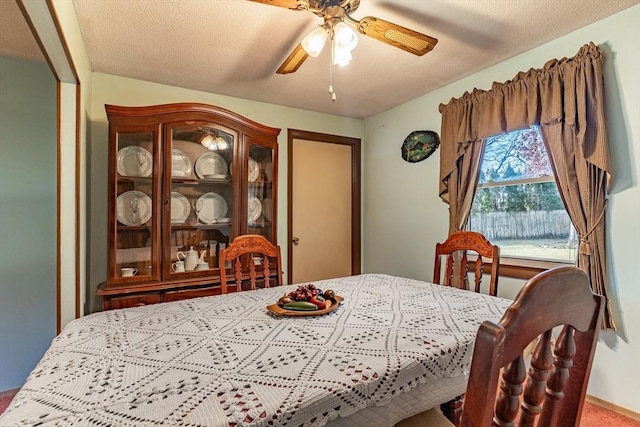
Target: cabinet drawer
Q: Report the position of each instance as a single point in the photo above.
(133, 300)
(191, 293)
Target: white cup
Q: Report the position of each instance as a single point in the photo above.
(257, 260)
(128, 272)
(178, 267)
(202, 266)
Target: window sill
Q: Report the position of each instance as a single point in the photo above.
(519, 268)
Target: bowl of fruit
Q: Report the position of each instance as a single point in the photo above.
(306, 300)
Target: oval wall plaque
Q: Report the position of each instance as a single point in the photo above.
(419, 145)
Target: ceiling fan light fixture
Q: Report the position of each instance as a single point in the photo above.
(345, 36)
(315, 41)
(336, 15)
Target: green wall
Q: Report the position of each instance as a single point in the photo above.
(27, 217)
(404, 216)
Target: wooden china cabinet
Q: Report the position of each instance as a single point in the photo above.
(184, 180)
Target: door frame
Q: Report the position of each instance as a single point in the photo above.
(44, 24)
(356, 220)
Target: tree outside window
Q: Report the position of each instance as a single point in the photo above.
(517, 204)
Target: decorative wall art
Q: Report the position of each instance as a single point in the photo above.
(419, 145)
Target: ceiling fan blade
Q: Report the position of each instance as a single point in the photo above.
(289, 4)
(396, 35)
(293, 61)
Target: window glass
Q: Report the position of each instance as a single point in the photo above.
(517, 204)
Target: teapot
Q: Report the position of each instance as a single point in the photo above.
(190, 258)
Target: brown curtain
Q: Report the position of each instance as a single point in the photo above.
(566, 99)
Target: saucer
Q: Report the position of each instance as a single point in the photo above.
(215, 176)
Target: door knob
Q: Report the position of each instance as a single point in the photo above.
(295, 241)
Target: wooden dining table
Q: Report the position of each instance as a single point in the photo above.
(393, 347)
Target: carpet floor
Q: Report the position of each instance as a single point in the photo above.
(597, 416)
(592, 416)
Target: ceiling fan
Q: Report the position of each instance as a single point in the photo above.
(335, 13)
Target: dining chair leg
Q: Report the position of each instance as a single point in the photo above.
(453, 410)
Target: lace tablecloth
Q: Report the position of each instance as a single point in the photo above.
(226, 361)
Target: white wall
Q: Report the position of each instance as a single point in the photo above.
(109, 89)
(404, 217)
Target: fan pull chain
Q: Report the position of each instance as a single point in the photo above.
(333, 94)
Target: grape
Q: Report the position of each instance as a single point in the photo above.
(305, 292)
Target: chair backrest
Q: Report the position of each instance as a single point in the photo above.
(556, 383)
(253, 260)
(454, 253)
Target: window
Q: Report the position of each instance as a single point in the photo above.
(517, 205)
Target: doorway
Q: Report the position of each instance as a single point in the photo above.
(28, 202)
(323, 188)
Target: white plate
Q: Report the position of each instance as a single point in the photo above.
(268, 170)
(266, 209)
(180, 163)
(254, 170)
(133, 208)
(180, 208)
(210, 207)
(211, 164)
(255, 209)
(134, 160)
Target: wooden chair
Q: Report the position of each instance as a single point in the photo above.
(556, 384)
(243, 253)
(455, 250)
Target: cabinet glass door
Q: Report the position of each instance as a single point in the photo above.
(201, 197)
(134, 210)
(260, 190)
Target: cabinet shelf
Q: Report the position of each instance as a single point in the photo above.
(125, 228)
(260, 224)
(199, 226)
(190, 181)
(174, 189)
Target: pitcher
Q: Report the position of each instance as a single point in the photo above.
(202, 254)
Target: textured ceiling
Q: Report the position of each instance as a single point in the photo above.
(233, 47)
(16, 39)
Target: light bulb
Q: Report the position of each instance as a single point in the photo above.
(207, 141)
(345, 36)
(314, 41)
(341, 56)
(221, 143)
